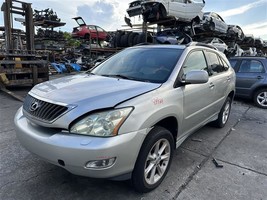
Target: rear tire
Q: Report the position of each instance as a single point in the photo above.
(224, 114)
(260, 98)
(154, 160)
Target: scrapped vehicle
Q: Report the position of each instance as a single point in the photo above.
(214, 22)
(251, 78)
(216, 42)
(249, 40)
(92, 32)
(172, 36)
(124, 118)
(235, 32)
(182, 10)
(250, 51)
(259, 43)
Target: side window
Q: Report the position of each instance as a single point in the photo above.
(233, 64)
(195, 61)
(92, 28)
(214, 63)
(99, 29)
(251, 66)
(225, 64)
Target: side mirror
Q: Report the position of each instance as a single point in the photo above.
(196, 77)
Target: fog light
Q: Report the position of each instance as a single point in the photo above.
(100, 164)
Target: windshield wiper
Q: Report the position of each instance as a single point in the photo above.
(126, 77)
(118, 76)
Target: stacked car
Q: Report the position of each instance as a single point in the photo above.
(187, 17)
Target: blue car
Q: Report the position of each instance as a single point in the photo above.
(251, 78)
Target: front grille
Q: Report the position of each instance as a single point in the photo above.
(42, 110)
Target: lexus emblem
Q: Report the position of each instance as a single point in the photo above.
(34, 106)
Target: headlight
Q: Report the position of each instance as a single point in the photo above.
(103, 124)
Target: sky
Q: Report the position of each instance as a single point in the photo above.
(250, 15)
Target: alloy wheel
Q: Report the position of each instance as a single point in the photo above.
(226, 112)
(262, 99)
(157, 161)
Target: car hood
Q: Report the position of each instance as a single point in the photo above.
(98, 91)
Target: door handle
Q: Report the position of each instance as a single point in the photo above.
(259, 77)
(211, 85)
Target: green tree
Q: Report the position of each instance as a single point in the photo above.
(71, 42)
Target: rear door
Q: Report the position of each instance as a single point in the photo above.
(93, 31)
(220, 77)
(249, 74)
(102, 34)
(177, 8)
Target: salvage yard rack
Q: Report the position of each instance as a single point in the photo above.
(19, 64)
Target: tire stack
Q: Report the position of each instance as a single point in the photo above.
(128, 39)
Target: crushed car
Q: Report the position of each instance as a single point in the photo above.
(235, 32)
(216, 42)
(172, 36)
(182, 10)
(213, 22)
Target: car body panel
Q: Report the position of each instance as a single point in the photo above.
(182, 10)
(214, 22)
(191, 106)
(172, 36)
(248, 82)
(216, 42)
(235, 32)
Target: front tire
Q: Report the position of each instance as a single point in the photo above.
(260, 98)
(154, 160)
(224, 114)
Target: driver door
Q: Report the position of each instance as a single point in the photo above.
(198, 98)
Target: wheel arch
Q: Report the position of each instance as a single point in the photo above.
(171, 124)
(257, 89)
(162, 9)
(231, 95)
(197, 19)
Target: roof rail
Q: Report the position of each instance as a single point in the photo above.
(144, 43)
(201, 44)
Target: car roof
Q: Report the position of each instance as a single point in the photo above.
(192, 45)
(168, 46)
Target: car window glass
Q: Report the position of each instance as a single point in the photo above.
(91, 28)
(195, 61)
(99, 29)
(214, 63)
(233, 63)
(142, 64)
(251, 66)
(219, 18)
(226, 66)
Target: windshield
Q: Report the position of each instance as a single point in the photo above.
(141, 64)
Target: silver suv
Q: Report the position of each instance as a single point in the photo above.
(125, 118)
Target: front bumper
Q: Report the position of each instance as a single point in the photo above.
(56, 146)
